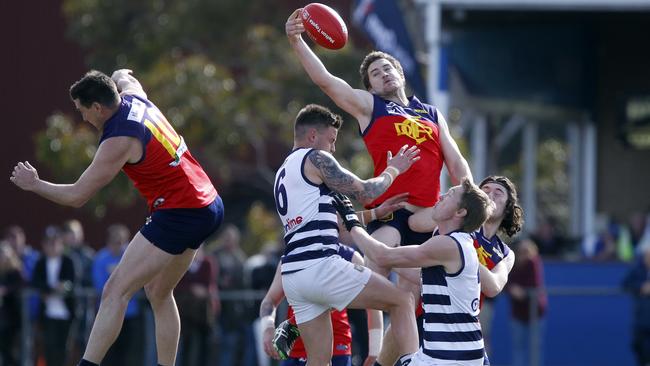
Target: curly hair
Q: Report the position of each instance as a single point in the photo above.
(513, 214)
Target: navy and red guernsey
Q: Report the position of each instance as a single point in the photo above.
(167, 175)
(393, 126)
(341, 331)
(490, 251)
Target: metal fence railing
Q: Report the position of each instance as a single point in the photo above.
(88, 306)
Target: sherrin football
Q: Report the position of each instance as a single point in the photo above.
(324, 26)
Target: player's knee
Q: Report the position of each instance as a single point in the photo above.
(403, 300)
(320, 360)
(156, 294)
(115, 292)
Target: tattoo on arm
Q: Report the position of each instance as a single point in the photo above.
(341, 180)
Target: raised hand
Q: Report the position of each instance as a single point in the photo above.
(404, 158)
(391, 205)
(294, 27)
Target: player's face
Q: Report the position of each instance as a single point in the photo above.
(448, 204)
(384, 78)
(90, 114)
(326, 140)
(499, 195)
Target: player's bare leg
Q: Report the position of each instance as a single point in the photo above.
(381, 294)
(389, 352)
(391, 237)
(159, 292)
(317, 336)
(139, 265)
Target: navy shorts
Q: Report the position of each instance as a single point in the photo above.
(400, 221)
(176, 229)
(345, 360)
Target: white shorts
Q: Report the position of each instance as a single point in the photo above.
(421, 359)
(330, 283)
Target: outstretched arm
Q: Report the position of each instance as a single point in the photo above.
(439, 250)
(387, 207)
(454, 160)
(322, 167)
(269, 304)
(493, 281)
(109, 159)
(357, 102)
(127, 84)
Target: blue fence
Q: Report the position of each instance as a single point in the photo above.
(588, 321)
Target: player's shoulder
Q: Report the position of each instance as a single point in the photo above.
(319, 157)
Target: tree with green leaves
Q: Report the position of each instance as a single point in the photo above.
(223, 74)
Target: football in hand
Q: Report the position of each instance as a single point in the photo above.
(324, 26)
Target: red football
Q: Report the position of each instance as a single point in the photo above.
(324, 26)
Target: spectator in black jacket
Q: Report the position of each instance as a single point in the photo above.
(54, 278)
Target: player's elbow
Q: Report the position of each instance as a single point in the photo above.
(78, 200)
(78, 203)
(382, 259)
(491, 289)
(490, 292)
(366, 201)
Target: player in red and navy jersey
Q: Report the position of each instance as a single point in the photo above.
(185, 207)
(388, 119)
(495, 256)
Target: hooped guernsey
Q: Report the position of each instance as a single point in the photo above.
(452, 332)
(167, 175)
(393, 126)
(307, 214)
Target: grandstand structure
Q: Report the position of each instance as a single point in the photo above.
(518, 72)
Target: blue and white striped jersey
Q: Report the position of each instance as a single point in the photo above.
(452, 332)
(306, 211)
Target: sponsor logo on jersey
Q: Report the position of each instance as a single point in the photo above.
(475, 303)
(414, 129)
(291, 223)
(158, 202)
(342, 347)
(137, 110)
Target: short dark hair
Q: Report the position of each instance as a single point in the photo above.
(95, 87)
(372, 57)
(317, 116)
(513, 214)
(476, 203)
